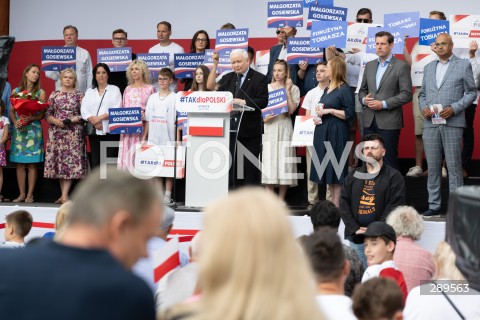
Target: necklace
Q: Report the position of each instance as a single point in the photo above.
(163, 98)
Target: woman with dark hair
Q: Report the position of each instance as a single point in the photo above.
(334, 114)
(26, 148)
(200, 78)
(200, 42)
(98, 99)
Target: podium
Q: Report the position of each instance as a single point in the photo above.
(213, 124)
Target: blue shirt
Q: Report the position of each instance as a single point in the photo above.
(380, 72)
(441, 70)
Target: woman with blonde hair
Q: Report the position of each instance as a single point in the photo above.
(415, 262)
(458, 300)
(277, 152)
(136, 94)
(250, 264)
(334, 114)
(66, 153)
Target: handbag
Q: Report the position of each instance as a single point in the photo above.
(89, 127)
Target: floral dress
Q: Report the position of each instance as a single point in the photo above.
(132, 97)
(26, 145)
(65, 156)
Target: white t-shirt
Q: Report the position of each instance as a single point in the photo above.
(12, 244)
(336, 307)
(359, 59)
(172, 48)
(3, 122)
(420, 306)
(312, 98)
(160, 114)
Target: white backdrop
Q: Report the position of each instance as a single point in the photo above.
(96, 19)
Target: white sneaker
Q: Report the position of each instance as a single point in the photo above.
(414, 172)
(167, 199)
(444, 172)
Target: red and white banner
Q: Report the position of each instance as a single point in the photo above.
(210, 127)
(166, 259)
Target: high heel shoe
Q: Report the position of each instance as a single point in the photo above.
(19, 199)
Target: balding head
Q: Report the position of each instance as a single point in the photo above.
(444, 46)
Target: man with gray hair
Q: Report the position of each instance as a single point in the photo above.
(249, 88)
(87, 274)
(144, 267)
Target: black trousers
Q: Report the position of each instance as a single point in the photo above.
(391, 138)
(95, 147)
(248, 174)
(468, 137)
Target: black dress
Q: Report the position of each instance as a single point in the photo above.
(336, 131)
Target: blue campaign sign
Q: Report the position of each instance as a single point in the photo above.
(308, 3)
(117, 59)
(407, 22)
(277, 103)
(329, 33)
(58, 58)
(224, 64)
(430, 29)
(316, 13)
(398, 41)
(230, 39)
(125, 120)
(155, 62)
(299, 50)
(285, 13)
(186, 63)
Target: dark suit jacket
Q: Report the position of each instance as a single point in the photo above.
(395, 88)
(254, 91)
(274, 53)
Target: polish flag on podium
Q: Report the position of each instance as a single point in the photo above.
(166, 259)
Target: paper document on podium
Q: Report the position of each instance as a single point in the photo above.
(240, 107)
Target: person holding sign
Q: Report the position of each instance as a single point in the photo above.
(160, 120)
(278, 166)
(165, 45)
(386, 87)
(136, 95)
(448, 86)
(119, 78)
(95, 104)
(83, 62)
(335, 112)
(65, 155)
(26, 148)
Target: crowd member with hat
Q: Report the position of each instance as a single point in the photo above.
(380, 240)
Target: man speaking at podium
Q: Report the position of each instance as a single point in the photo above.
(249, 88)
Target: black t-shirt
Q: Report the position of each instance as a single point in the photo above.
(52, 281)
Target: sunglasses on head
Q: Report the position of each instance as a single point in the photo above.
(363, 20)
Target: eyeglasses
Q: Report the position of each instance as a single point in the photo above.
(119, 39)
(359, 20)
(201, 40)
(442, 44)
(278, 32)
(163, 79)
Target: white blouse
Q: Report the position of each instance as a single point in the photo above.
(91, 103)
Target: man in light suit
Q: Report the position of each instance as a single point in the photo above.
(250, 88)
(386, 87)
(447, 81)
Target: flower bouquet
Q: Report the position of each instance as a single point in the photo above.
(26, 104)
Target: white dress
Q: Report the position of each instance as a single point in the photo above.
(278, 165)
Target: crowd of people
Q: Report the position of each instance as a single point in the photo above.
(244, 264)
(371, 87)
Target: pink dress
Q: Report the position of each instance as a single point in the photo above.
(132, 97)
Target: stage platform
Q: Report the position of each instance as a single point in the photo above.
(187, 223)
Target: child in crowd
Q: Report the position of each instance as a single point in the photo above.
(4, 126)
(380, 240)
(160, 116)
(378, 299)
(17, 226)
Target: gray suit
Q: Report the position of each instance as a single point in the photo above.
(395, 88)
(457, 89)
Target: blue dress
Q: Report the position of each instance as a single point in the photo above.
(336, 131)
